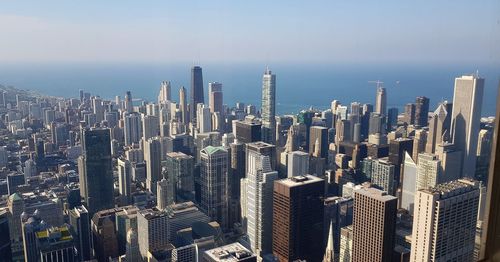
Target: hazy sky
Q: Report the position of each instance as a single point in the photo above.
(329, 31)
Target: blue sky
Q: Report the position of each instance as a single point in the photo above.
(250, 31)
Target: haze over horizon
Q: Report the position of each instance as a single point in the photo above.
(253, 32)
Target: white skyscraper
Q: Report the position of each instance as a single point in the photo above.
(215, 97)
(298, 163)
(259, 202)
(381, 101)
(124, 179)
(152, 152)
(409, 179)
(132, 129)
(204, 118)
(165, 92)
(268, 110)
(150, 126)
(444, 225)
(465, 119)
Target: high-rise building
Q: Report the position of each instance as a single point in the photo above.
(345, 253)
(132, 129)
(297, 163)
(80, 224)
(183, 215)
(150, 126)
(409, 180)
(381, 101)
(196, 92)
(410, 113)
(419, 143)
(55, 244)
(421, 111)
(128, 104)
(124, 179)
(465, 119)
(214, 175)
(181, 168)
(232, 252)
(428, 171)
(397, 149)
(96, 171)
(392, 118)
(165, 92)
(183, 105)
(298, 218)
(444, 224)
(320, 134)
(268, 110)
(374, 225)
(165, 194)
(259, 203)
(132, 252)
(204, 118)
(215, 98)
(152, 152)
(5, 243)
(154, 232)
(247, 131)
(382, 175)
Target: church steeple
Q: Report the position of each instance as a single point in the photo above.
(329, 251)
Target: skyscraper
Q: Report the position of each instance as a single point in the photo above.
(409, 179)
(382, 175)
(381, 101)
(204, 118)
(80, 222)
(421, 111)
(5, 244)
(152, 152)
(259, 203)
(165, 92)
(153, 230)
(96, 171)
(374, 225)
(180, 167)
(298, 218)
(129, 106)
(297, 163)
(444, 225)
(124, 179)
(150, 126)
(428, 171)
(132, 129)
(465, 119)
(196, 92)
(215, 98)
(165, 194)
(214, 175)
(320, 134)
(268, 109)
(183, 105)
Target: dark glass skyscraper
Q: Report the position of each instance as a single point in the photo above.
(196, 92)
(95, 169)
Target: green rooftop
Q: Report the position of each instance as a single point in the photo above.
(213, 149)
(15, 197)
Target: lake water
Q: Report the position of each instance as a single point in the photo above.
(298, 85)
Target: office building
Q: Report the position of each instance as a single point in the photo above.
(181, 168)
(381, 101)
(150, 126)
(259, 203)
(234, 252)
(346, 237)
(204, 118)
(5, 241)
(214, 175)
(165, 193)
(428, 171)
(298, 218)
(444, 224)
(215, 98)
(96, 171)
(297, 163)
(80, 225)
(196, 93)
(165, 94)
(410, 113)
(132, 129)
(247, 131)
(124, 179)
(374, 225)
(465, 119)
(409, 180)
(132, 252)
(319, 134)
(419, 143)
(382, 175)
(421, 111)
(55, 244)
(154, 231)
(183, 215)
(152, 152)
(268, 107)
(338, 211)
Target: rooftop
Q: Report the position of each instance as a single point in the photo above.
(299, 180)
(229, 253)
(375, 194)
(453, 188)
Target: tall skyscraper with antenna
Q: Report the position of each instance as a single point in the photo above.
(196, 92)
(381, 102)
(268, 110)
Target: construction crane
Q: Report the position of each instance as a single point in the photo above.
(378, 82)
